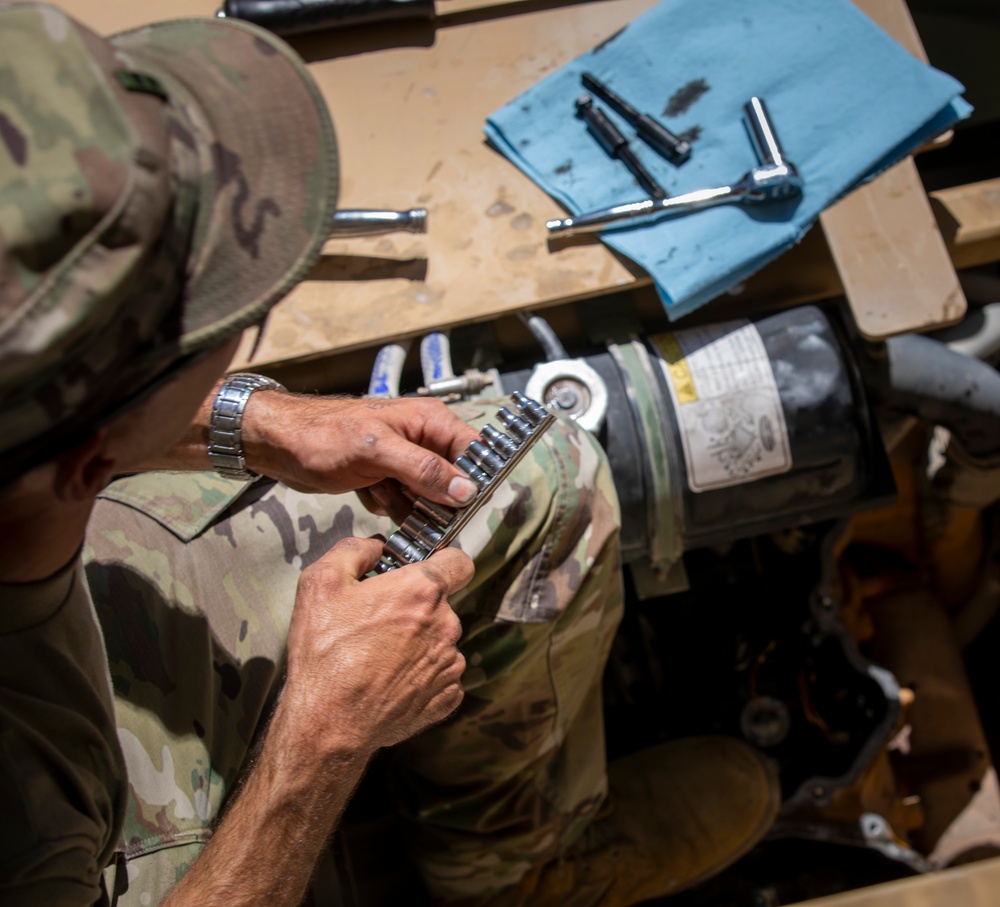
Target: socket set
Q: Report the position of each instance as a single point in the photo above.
(487, 461)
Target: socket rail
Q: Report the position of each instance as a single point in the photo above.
(487, 461)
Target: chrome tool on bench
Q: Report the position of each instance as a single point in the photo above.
(776, 179)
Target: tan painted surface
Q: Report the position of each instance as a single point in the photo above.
(897, 274)
(969, 214)
(894, 17)
(975, 885)
(892, 259)
(409, 103)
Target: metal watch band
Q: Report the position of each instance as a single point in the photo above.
(225, 426)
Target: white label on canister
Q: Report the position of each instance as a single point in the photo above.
(728, 409)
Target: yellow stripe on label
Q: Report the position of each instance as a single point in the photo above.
(677, 365)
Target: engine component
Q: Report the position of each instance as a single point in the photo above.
(765, 721)
(946, 757)
(755, 648)
(923, 377)
(435, 357)
(468, 384)
(387, 370)
(573, 388)
(732, 430)
(770, 426)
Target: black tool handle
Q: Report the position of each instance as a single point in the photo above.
(654, 134)
(642, 176)
(293, 17)
(616, 145)
(658, 137)
(609, 97)
(601, 128)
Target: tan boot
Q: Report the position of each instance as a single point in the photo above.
(681, 812)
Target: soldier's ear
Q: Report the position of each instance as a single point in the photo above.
(83, 472)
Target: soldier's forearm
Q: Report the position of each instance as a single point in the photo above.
(270, 836)
(190, 452)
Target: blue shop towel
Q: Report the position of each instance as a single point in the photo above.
(846, 100)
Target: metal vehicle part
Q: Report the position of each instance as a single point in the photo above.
(730, 430)
(469, 384)
(573, 388)
(782, 630)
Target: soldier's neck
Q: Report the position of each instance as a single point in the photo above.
(39, 535)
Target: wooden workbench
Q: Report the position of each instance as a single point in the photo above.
(409, 102)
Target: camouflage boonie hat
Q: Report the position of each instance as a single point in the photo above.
(160, 190)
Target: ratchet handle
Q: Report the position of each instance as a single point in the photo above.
(293, 17)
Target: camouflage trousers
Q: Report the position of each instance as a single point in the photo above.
(194, 576)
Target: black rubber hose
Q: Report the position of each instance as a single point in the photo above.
(546, 337)
(923, 377)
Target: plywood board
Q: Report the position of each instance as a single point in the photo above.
(892, 259)
(969, 214)
(897, 274)
(973, 885)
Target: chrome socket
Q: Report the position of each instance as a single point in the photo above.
(502, 444)
(515, 425)
(532, 411)
(479, 476)
(488, 459)
(403, 548)
(437, 514)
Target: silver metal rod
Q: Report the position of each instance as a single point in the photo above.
(762, 135)
(365, 222)
(645, 212)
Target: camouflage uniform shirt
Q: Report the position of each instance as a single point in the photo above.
(62, 776)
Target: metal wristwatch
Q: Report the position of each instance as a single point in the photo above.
(225, 426)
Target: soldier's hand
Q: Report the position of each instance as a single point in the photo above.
(373, 446)
(374, 661)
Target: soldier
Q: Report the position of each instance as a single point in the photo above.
(194, 670)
